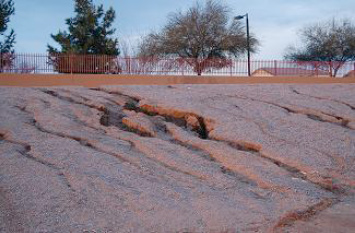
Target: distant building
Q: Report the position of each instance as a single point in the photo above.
(350, 74)
(271, 72)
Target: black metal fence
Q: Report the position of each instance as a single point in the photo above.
(104, 64)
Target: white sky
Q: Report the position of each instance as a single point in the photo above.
(274, 22)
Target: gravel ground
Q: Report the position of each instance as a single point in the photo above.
(178, 158)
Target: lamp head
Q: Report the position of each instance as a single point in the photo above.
(239, 17)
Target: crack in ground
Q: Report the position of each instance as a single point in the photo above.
(290, 218)
(200, 127)
(240, 177)
(204, 135)
(335, 159)
(256, 150)
(84, 142)
(136, 99)
(324, 98)
(340, 120)
(70, 100)
(169, 167)
(112, 116)
(294, 171)
(240, 146)
(243, 179)
(315, 115)
(26, 153)
(24, 110)
(132, 105)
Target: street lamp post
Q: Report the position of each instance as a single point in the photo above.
(239, 17)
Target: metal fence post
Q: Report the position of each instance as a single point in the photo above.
(230, 69)
(129, 65)
(70, 63)
(182, 67)
(0, 62)
(35, 65)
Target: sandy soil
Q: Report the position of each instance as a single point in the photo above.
(32, 80)
(178, 158)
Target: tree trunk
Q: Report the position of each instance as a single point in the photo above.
(337, 68)
(198, 68)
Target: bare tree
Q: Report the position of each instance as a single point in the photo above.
(126, 53)
(330, 43)
(203, 36)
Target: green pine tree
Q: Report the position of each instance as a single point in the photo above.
(89, 33)
(7, 41)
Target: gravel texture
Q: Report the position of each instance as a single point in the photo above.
(178, 158)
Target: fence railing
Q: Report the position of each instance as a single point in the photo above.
(104, 64)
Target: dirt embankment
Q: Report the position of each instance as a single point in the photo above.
(34, 80)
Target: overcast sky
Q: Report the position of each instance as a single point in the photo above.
(274, 22)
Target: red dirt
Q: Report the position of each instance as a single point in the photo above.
(25, 80)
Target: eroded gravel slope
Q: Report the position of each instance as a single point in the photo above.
(181, 158)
